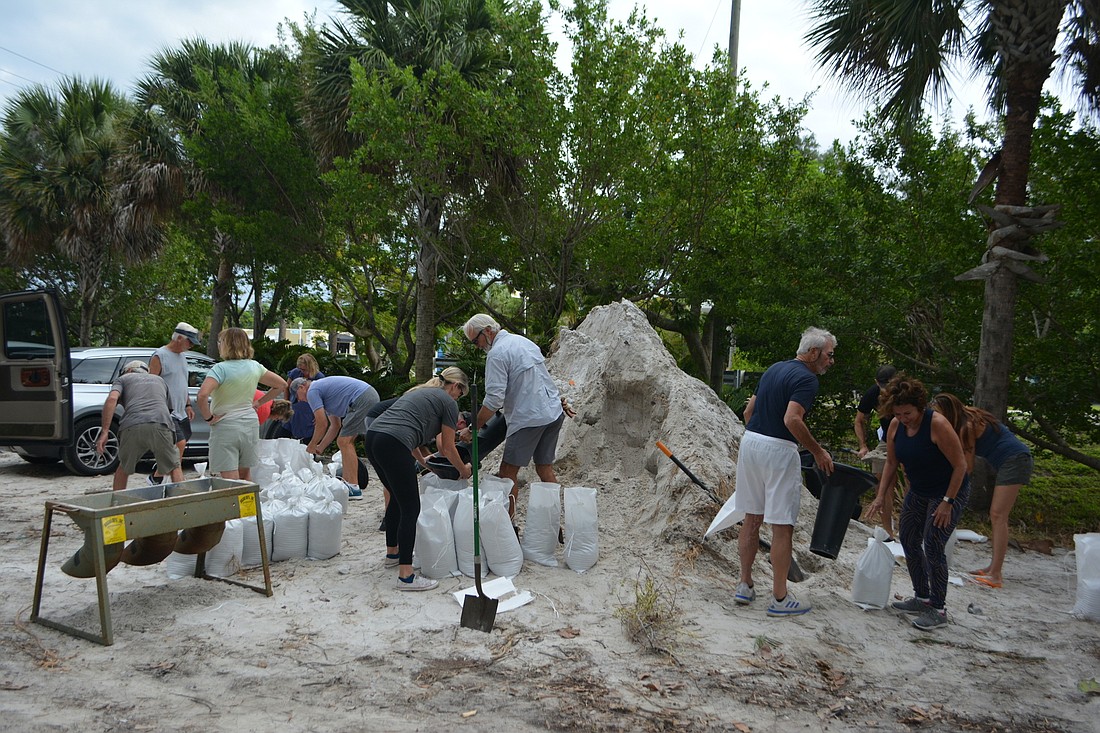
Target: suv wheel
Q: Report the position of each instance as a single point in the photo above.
(81, 457)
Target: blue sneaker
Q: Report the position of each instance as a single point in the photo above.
(789, 606)
(745, 594)
(354, 492)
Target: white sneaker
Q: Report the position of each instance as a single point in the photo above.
(416, 582)
(391, 562)
(789, 606)
(745, 594)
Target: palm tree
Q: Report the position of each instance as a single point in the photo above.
(174, 92)
(899, 53)
(423, 36)
(83, 173)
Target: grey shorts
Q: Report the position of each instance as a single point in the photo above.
(877, 458)
(182, 429)
(1016, 470)
(355, 421)
(137, 440)
(540, 443)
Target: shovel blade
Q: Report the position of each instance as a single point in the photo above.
(479, 612)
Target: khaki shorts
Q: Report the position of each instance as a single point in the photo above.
(233, 444)
(137, 440)
(877, 458)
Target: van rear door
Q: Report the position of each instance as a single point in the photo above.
(36, 404)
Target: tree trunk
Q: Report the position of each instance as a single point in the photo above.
(995, 350)
(427, 280)
(220, 296)
(719, 351)
(1027, 32)
(427, 276)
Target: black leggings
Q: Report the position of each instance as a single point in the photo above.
(396, 468)
(924, 543)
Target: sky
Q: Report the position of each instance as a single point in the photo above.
(44, 40)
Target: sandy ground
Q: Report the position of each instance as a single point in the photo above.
(338, 649)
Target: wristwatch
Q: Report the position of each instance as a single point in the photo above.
(949, 499)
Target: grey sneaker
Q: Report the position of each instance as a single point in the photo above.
(932, 618)
(745, 594)
(392, 561)
(789, 606)
(915, 606)
(415, 582)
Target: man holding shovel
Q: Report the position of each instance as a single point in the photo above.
(769, 473)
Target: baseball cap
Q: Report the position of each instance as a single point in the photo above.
(186, 329)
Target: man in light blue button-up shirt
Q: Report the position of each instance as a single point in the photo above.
(517, 382)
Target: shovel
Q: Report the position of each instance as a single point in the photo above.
(480, 611)
(794, 573)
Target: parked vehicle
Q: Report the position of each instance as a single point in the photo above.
(93, 372)
(35, 388)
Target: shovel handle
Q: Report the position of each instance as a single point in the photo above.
(687, 471)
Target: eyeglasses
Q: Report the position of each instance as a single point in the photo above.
(477, 336)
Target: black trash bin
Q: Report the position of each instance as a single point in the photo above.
(840, 494)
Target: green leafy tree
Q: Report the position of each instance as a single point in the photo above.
(85, 175)
(900, 54)
(398, 65)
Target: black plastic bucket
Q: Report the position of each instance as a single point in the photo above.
(839, 503)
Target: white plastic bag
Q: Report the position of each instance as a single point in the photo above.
(326, 523)
(224, 559)
(499, 544)
(435, 539)
(582, 547)
(874, 569)
(463, 525)
(1087, 549)
(290, 538)
(540, 534)
(250, 554)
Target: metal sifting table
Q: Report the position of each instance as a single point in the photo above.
(111, 517)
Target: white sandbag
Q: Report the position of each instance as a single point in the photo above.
(326, 522)
(435, 540)
(1087, 549)
(430, 481)
(290, 537)
(499, 544)
(179, 566)
(339, 491)
(582, 547)
(449, 499)
(250, 552)
(540, 534)
(463, 525)
(264, 473)
(224, 559)
(200, 468)
(874, 570)
(267, 449)
(490, 486)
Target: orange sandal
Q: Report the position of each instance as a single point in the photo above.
(985, 580)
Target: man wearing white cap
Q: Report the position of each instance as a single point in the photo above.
(170, 364)
(146, 424)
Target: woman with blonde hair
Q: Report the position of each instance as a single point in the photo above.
(227, 401)
(394, 441)
(302, 420)
(984, 435)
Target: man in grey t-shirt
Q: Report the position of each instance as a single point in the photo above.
(146, 423)
(170, 363)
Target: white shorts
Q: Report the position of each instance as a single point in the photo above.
(769, 479)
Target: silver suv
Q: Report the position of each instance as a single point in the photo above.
(93, 371)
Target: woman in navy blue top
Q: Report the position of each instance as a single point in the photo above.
(985, 436)
(924, 443)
